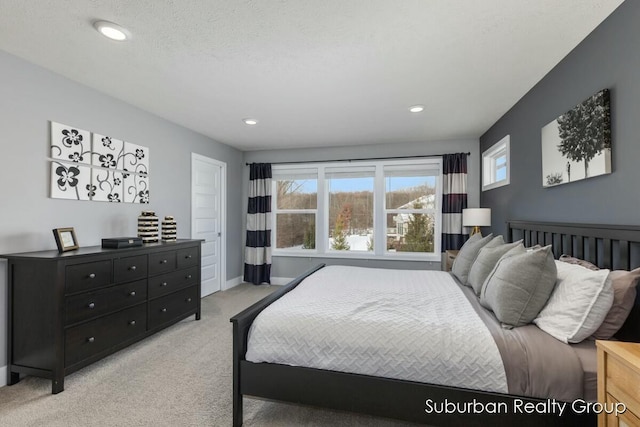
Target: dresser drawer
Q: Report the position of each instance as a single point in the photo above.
(101, 334)
(623, 380)
(161, 285)
(90, 275)
(162, 262)
(92, 304)
(626, 419)
(169, 307)
(188, 257)
(130, 268)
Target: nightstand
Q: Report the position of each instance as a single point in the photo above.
(449, 256)
(619, 381)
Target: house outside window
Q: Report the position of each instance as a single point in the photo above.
(381, 209)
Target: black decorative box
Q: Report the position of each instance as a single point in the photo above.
(121, 242)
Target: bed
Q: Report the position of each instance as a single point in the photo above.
(387, 391)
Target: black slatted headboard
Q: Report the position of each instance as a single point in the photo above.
(607, 246)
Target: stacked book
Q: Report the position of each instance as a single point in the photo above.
(148, 227)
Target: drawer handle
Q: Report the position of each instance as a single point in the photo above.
(188, 299)
(132, 293)
(132, 323)
(164, 310)
(163, 284)
(132, 268)
(91, 305)
(90, 339)
(164, 261)
(92, 276)
(188, 257)
(188, 276)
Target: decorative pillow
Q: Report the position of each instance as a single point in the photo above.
(467, 254)
(578, 305)
(519, 286)
(485, 261)
(624, 296)
(578, 261)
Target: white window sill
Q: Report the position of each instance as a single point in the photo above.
(361, 255)
(495, 185)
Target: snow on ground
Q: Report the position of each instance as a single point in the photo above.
(356, 242)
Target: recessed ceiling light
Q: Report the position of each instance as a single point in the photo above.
(250, 122)
(416, 108)
(112, 31)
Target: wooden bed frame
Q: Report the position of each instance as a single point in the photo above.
(616, 247)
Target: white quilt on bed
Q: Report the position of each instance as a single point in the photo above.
(404, 324)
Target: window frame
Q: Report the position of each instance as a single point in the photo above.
(489, 167)
(322, 249)
(275, 210)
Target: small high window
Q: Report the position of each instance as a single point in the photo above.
(495, 165)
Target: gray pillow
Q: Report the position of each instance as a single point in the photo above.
(519, 286)
(485, 262)
(466, 256)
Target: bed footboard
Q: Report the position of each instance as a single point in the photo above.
(241, 324)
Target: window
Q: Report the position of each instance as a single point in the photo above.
(495, 165)
(350, 192)
(339, 209)
(295, 208)
(410, 208)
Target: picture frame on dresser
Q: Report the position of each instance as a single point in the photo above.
(66, 239)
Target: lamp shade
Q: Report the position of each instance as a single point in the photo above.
(476, 217)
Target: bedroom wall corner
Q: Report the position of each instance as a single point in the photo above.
(232, 283)
(34, 96)
(607, 58)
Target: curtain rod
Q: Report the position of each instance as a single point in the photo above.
(359, 160)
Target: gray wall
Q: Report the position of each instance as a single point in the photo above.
(293, 266)
(30, 97)
(607, 58)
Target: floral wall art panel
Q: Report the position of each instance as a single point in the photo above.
(108, 152)
(92, 166)
(136, 158)
(107, 185)
(70, 181)
(577, 145)
(70, 144)
(136, 188)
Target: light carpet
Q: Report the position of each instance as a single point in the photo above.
(181, 376)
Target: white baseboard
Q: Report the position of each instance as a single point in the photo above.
(232, 283)
(237, 280)
(281, 280)
(3, 376)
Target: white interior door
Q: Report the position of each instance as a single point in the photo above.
(208, 198)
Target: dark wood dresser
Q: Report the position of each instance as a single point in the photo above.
(68, 310)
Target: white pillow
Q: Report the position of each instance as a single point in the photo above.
(578, 305)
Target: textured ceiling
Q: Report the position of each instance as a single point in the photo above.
(314, 73)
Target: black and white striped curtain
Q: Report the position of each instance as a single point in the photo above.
(454, 199)
(257, 252)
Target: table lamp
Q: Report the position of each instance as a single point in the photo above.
(476, 218)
